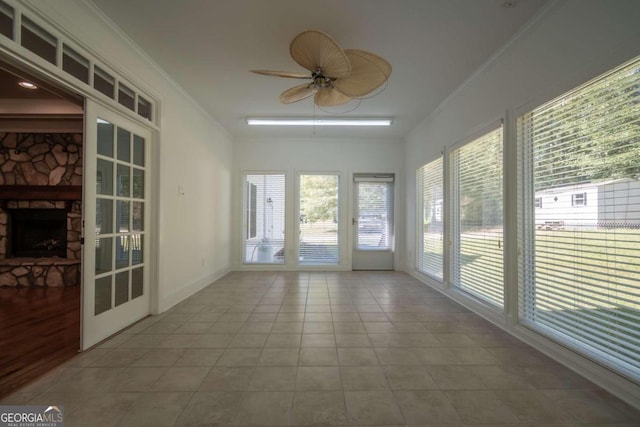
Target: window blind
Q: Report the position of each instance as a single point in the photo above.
(477, 225)
(374, 213)
(264, 221)
(318, 216)
(430, 228)
(580, 266)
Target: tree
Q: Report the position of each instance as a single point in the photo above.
(319, 197)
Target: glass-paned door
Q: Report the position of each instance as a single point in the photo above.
(318, 242)
(373, 222)
(116, 200)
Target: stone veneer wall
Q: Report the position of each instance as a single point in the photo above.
(36, 159)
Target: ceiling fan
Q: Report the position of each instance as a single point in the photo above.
(337, 76)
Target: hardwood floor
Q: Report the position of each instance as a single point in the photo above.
(39, 329)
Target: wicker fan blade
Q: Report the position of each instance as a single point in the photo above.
(368, 72)
(283, 74)
(330, 97)
(296, 93)
(315, 50)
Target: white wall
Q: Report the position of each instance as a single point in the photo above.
(293, 156)
(191, 151)
(569, 43)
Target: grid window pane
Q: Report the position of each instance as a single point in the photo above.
(264, 219)
(431, 225)
(318, 216)
(477, 226)
(580, 219)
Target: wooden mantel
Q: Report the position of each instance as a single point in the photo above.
(41, 192)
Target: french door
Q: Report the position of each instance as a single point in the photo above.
(116, 223)
(373, 222)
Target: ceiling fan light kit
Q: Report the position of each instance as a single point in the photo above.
(327, 121)
(336, 76)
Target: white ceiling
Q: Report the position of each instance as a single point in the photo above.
(208, 46)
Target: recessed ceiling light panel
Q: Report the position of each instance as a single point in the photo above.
(300, 121)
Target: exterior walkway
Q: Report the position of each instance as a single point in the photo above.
(354, 348)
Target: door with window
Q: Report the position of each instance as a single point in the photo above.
(373, 222)
(116, 224)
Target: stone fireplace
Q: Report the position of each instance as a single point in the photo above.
(40, 209)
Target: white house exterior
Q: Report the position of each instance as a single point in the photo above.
(613, 203)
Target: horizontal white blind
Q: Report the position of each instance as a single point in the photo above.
(580, 219)
(374, 215)
(477, 256)
(264, 219)
(318, 216)
(430, 213)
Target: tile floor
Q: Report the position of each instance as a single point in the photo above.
(331, 349)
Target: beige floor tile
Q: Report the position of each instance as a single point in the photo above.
(426, 408)
(182, 378)
(194, 328)
(533, 407)
(481, 407)
(409, 378)
(372, 408)
(140, 379)
(249, 341)
(346, 318)
(227, 379)
(399, 356)
(239, 357)
(160, 357)
(593, 406)
(199, 357)
(210, 409)
(225, 327)
(283, 340)
(92, 380)
(348, 327)
(287, 328)
(319, 408)
(279, 357)
(119, 357)
(273, 379)
(318, 378)
(357, 357)
(352, 340)
(265, 409)
(317, 328)
(155, 409)
(256, 328)
(96, 405)
(318, 340)
(455, 377)
(363, 378)
(318, 357)
(318, 317)
(211, 340)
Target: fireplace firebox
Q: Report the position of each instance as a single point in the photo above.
(37, 233)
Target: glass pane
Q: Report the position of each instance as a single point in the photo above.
(102, 298)
(138, 150)
(137, 282)
(138, 216)
(122, 288)
(122, 216)
(105, 138)
(318, 218)
(104, 254)
(122, 252)
(124, 145)
(104, 216)
(6, 21)
(137, 249)
(103, 82)
(104, 177)
(124, 189)
(38, 40)
(375, 201)
(144, 108)
(138, 183)
(75, 64)
(126, 97)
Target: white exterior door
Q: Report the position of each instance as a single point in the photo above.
(116, 223)
(373, 237)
